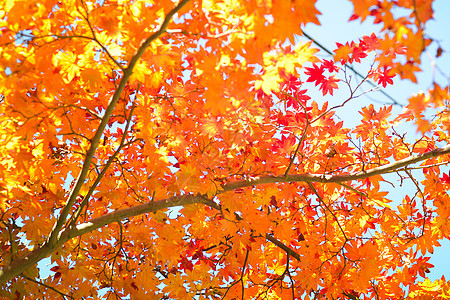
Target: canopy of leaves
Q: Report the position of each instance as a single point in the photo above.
(174, 150)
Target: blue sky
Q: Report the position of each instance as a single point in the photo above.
(336, 28)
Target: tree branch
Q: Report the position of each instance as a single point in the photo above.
(323, 178)
(102, 173)
(48, 287)
(279, 244)
(149, 207)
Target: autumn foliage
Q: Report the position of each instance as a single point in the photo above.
(183, 150)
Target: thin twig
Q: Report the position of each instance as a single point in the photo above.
(47, 286)
(351, 68)
(302, 138)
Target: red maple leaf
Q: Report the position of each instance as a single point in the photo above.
(281, 119)
(300, 95)
(384, 77)
(353, 17)
(358, 53)
(329, 65)
(315, 74)
(445, 178)
(370, 42)
(328, 85)
(298, 98)
(293, 83)
(185, 264)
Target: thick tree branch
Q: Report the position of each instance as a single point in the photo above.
(66, 234)
(323, 178)
(279, 244)
(102, 173)
(149, 207)
(53, 241)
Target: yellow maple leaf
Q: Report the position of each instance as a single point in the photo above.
(187, 177)
(269, 80)
(140, 70)
(278, 269)
(67, 61)
(211, 127)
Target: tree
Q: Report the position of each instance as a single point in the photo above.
(173, 150)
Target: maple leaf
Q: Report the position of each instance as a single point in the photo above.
(328, 85)
(299, 97)
(285, 145)
(342, 53)
(362, 7)
(211, 128)
(293, 83)
(330, 66)
(385, 76)
(418, 103)
(358, 53)
(188, 177)
(406, 71)
(269, 82)
(92, 78)
(67, 63)
(371, 42)
(445, 178)
(315, 74)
